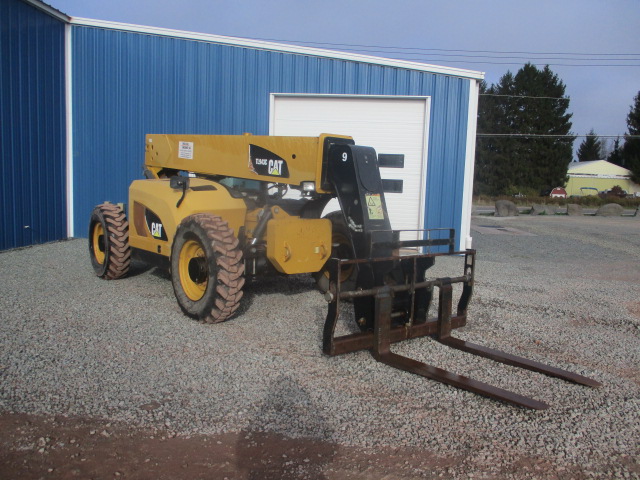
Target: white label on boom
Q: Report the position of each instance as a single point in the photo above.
(185, 150)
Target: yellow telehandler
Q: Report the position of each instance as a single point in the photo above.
(217, 209)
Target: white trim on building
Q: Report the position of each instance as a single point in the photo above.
(470, 155)
(68, 93)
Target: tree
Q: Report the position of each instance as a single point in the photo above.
(492, 156)
(524, 139)
(631, 148)
(591, 148)
(615, 156)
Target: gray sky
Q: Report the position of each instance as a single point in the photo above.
(561, 33)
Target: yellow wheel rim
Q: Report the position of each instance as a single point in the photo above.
(193, 270)
(97, 239)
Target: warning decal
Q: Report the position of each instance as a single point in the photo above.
(374, 206)
(185, 150)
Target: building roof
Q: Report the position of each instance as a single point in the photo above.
(260, 44)
(597, 168)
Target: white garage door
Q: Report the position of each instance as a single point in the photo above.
(396, 125)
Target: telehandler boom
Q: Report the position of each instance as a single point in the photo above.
(216, 208)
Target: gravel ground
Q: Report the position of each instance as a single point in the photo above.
(565, 293)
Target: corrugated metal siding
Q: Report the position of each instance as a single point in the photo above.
(32, 126)
(128, 84)
(445, 169)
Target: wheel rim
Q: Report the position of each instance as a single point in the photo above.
(97, 243)
(192, 266)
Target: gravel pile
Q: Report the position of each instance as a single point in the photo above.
(568, 295)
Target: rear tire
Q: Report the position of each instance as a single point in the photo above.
(207, 268)
(341, 247)
(109, 241)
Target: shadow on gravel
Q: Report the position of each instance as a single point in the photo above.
(288, 410)
(286, 285)
(271, 285)
(139, 267)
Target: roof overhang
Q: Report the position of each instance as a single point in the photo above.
(597, 168)
(278, 47)
(599, 175)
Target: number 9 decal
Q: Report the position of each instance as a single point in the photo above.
(345, 156)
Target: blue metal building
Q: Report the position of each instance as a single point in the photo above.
(124, 81)
(32, 125)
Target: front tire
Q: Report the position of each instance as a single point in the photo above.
(207, 268)
(109, 242)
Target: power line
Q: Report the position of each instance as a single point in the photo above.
(487, 62)
(496, 57)
(449, 50)
(522, 96)
(544, 135)
(542, 58)
(536, 64)
(448, 55)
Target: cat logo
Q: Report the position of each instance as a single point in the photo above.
(155, 226)
(275, 167)
(156, 229)
(265, 162)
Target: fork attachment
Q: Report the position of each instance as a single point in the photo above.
(392, 297)
(399, 313)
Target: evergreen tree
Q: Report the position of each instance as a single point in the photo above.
(631, 148)
(615, 156)
(590, 148)
(532, 146)
(493, 173)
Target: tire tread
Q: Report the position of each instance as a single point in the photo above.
(229, 263)
(118, 256)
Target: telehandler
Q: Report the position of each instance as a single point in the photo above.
(216, 208)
